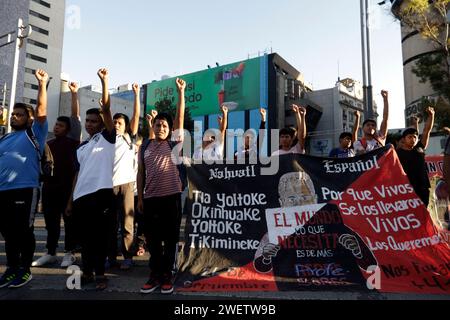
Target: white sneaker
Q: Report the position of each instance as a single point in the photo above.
(69, 259)
(42, 261)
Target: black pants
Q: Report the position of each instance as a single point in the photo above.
(162, 219)
(54, 201)
(17, 226)
(93, 213)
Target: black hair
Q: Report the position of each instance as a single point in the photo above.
(97, 112)
(125, 118)
(409, 131)
(287, 131)
(369, 121)
(167, 117)
(28, 109)
(66, 121)
(345, 135)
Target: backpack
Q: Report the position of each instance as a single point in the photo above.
(181, 167)
(47, 163)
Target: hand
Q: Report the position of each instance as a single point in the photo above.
(103, 74)
(73, 86)
(41, 76)
(350, 242)
(181, 84)
(302, 111)
(357, 114)
(415, 120)
(263, 114)
(136, 88)
(224, 109)
(68, 211)
(154, 113)
(384, 94)
(149, 119)
(430, 111)
(270, 251)
(295, 108)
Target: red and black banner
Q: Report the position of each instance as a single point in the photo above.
(318, 224)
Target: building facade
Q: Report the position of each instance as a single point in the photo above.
(89, 98)
(339, 105)
(42, 50)
(414, 46)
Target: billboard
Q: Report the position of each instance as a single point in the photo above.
(240, 86)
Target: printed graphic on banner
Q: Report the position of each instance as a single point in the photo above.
(319, 224)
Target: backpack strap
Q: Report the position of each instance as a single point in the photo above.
(34, 141)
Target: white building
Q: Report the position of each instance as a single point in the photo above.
(89, 98)
(339, 105)
(42, 50)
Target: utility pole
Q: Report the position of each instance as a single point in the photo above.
(22, 33)
(366, 60)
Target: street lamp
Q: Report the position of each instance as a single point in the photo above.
(22, 33)
(366, 59)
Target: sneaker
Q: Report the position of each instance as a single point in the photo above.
(151, 285)
(23, 277)
(68, 260)
(126, 264)
(42, 261)
(167, 284)
(8, 277)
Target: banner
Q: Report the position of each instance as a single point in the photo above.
(435, 166)
(439, 207)
(238, 86)
(318, 224)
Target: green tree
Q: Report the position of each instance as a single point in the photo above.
(169, 106)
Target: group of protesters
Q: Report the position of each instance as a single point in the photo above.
(105, 183)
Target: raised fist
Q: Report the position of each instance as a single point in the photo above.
(136, 88)
(41, 76)
(103, 74)
(224, 109)
(430, 111)
(384, 94)
(73, 86)
(181, 84)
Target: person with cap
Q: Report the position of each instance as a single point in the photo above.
(371, 139)
(412, 157)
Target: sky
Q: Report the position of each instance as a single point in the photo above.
(143, 40)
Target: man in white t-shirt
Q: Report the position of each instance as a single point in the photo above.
(288, 142)
(212, 150)
(124, 179)
(93, 188)
(371, 139)
(252, 143)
